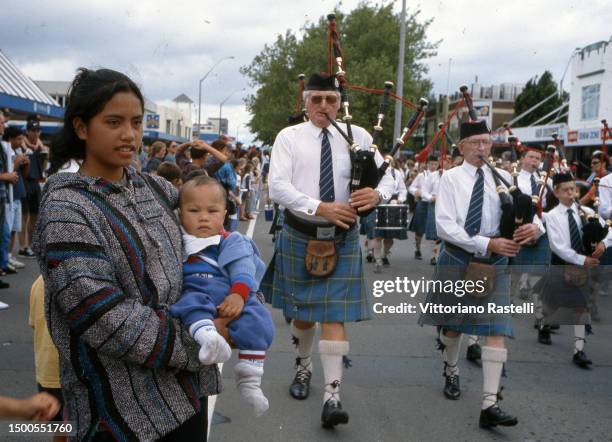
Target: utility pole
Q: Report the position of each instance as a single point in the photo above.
(397, 127)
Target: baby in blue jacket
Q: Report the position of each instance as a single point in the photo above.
(221, 274)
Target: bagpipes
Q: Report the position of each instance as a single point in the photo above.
(517, 208)
(300, 112)
(364, 171)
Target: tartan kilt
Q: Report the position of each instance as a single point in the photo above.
(340, 297)
(430, 225)
(400, 234)
(367, 225)
(532, 259)
(419, 219)
(450, 266)
(563, 304)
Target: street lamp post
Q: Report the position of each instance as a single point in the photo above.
(238, 129)
(231, 57)
(223, 102)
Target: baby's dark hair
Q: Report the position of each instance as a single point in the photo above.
(203, 180)
(88, 94)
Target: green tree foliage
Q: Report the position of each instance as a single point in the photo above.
(369, 37)
(535, 91)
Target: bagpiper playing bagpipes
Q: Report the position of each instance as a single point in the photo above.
(482, 220)
(325, 174)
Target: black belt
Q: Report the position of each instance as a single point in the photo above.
(319, 231)
(451, 246)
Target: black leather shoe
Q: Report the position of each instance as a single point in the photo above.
(4, 285)
(333, 414)
(544, 335)
(474, 354)
(385, 261)
(452, 390)
(494, 416)
(300, 387)
(581, 359)
(370, 258)
(417, 254)
(433, 261)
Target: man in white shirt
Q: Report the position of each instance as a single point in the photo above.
(565, 298)
(419, 218)
(468, 213)
(310, 173)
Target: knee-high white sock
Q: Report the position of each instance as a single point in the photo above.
(387, 246)
(451, 353)
(579, 334)
(331, 359)
(303, 340)
(493, 359)
(249, 371)
(472, 339)
(378, 252)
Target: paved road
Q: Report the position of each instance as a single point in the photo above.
(394, 389)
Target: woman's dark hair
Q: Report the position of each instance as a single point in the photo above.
(169, 171)
(198, 153)
(88, 94)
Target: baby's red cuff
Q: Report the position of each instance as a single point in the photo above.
(242, 289)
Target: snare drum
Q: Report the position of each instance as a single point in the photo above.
(392, 217)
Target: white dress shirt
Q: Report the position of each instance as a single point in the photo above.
(605, 197)
(431, 186)
(418, 182)
(524, 183)
(295, 167)
(453, 202)
(557, 225)
(400, 185)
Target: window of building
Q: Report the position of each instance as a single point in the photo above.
(590, 102)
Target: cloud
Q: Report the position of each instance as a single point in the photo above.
(168, 46)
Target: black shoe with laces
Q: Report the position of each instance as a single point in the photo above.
(474, 354)
(544, 335)
(581, 360)
(370, 257)
(4, 285)
(300, 387)
(385, 261)
(452, 389)
(417, 254)
(333, 414)
(494, 416)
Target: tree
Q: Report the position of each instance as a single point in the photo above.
(534, 92)
(369, 36)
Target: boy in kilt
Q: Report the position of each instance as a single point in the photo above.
(533, 259)
(565, 298)
(468, 213)
(310, 172)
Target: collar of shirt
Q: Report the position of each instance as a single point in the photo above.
(317, 132)
(528, 175)
(469, 168)
(193, 244)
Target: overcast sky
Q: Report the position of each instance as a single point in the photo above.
(167, 46)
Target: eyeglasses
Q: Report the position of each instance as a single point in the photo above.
(318, 99)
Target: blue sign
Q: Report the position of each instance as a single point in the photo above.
(152, 121)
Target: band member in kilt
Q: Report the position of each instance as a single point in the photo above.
(566, 293)
(383, 239)
(316, 273)
(428, 194)
(419, 218)
(468, 214)
(532, 259)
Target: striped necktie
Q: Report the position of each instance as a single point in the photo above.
(534, 186)
(474, 215)
(574, 233)
(326, 178)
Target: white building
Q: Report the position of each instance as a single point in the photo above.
(590, 94)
